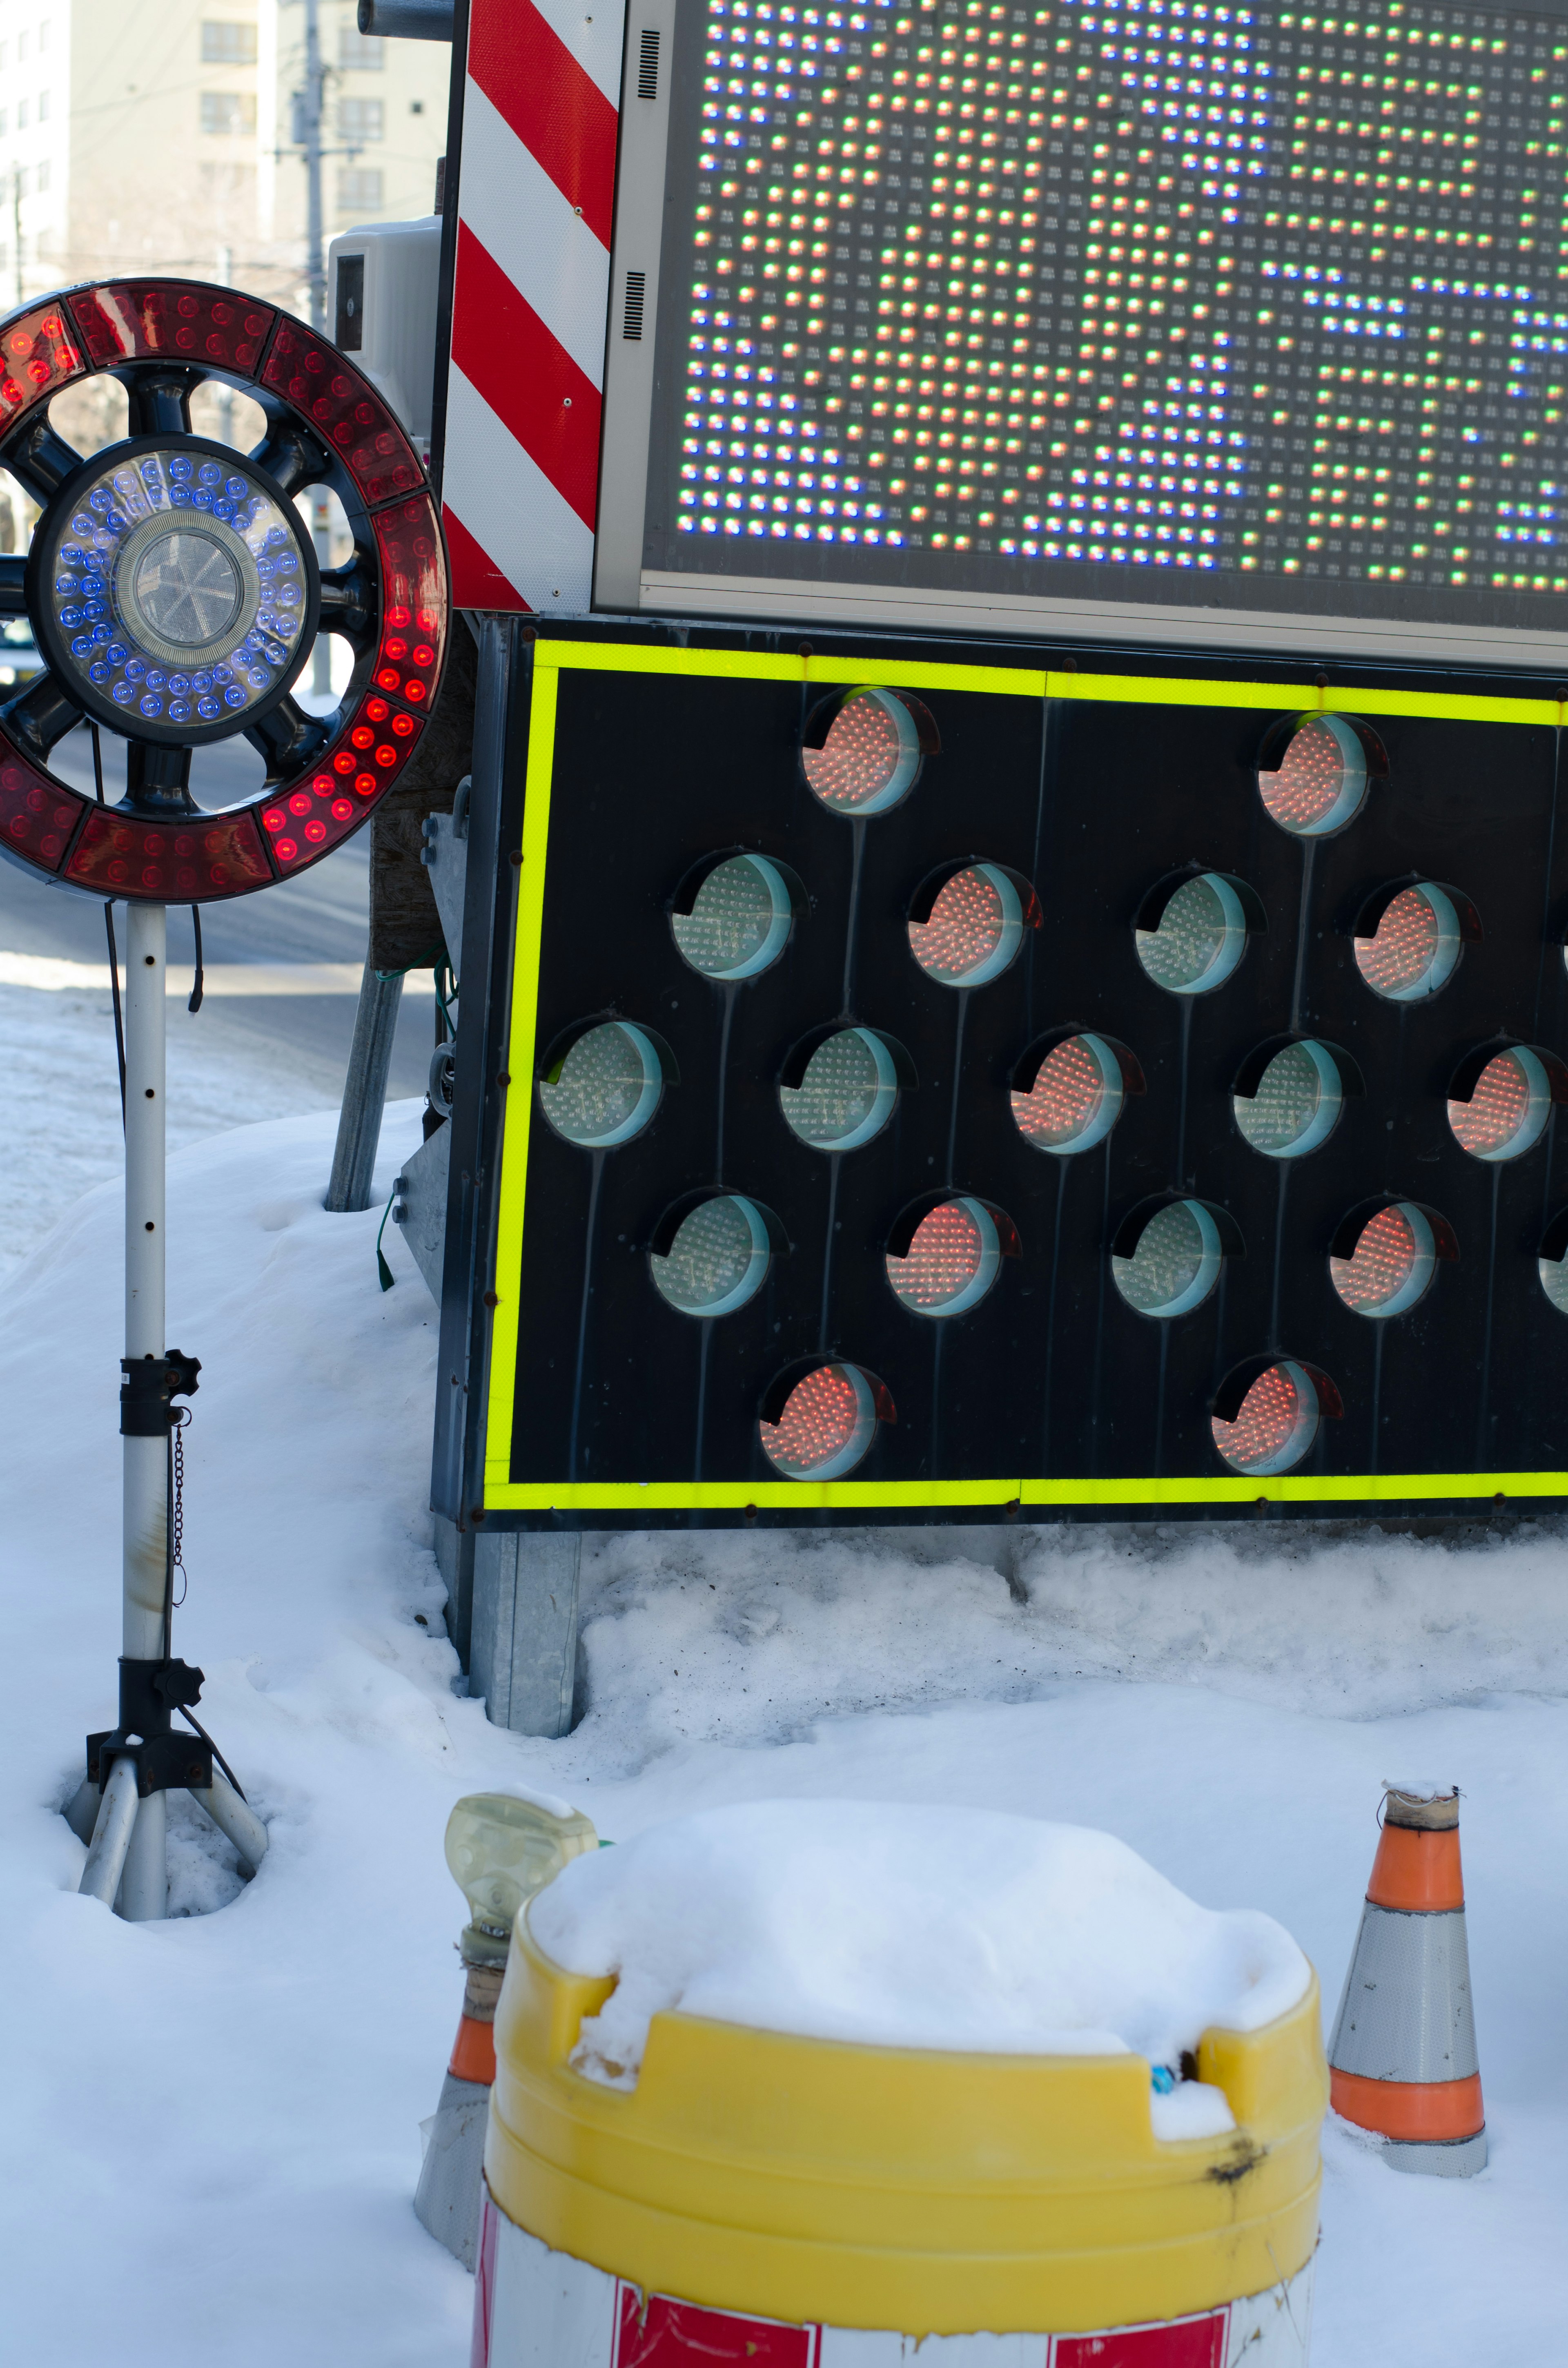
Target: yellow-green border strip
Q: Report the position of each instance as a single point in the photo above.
(551, 658)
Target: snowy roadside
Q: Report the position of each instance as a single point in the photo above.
(230, 2104)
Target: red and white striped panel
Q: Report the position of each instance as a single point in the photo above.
(535, 196)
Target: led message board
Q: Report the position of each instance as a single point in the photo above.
(1212, 324)
(942, 1087)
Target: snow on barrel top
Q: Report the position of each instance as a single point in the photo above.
(901, 1927)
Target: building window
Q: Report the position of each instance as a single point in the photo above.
(225, 44)
(24, 46)
(41, 181)
(228, 111)
(359, 191)
(360, 118)
(43, 106)
(359, 52)
(5, 121)
(42, 38)
(23, 115)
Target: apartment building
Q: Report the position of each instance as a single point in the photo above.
(143, 136)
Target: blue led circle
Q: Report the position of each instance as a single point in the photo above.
(181, 596)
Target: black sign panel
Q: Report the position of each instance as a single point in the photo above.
(936, 1087)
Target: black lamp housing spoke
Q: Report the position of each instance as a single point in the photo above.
(290, 455)
(159, 395)
(288, 738)
(13, 585)
(348, 602)
(40, 460)
(43, 715)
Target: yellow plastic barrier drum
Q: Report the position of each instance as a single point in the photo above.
(796, 2202)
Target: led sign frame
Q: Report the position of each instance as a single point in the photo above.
(1003, 1106)
(1202, 322)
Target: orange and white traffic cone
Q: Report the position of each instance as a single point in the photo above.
(1402, 2060)
(500, 1846)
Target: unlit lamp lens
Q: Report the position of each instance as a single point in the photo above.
(739, 922)
(1075, 1099)
(607, 1088)
(718, 1259)
(1391, 1265)
(975, 928)
(1296, 1105)
(1553, 1275)
(1415, 950)
(846, 1095)
(870, 755)
(828, 1422)
(1276, 1423)
(1509, 1110)
(952, 1260)
(1176, 1264)
(1321, 781)
(1200, 937)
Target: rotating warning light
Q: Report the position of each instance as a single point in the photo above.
(1319, 782)
(972, 928)
(952, 1257)
(175, 595)
(715, 1258)
(1073, 1099)
(1498, 1105)
(826, 1423)
(1189, 939)
(1265, 1421)
(604, 1087)
(735, 921)
(1288, 1102)
(1170, 1263)
(862, 753)
(1552, 1262)
(1391, 1264)
(846, 1093)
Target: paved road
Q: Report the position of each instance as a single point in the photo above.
(322, 917)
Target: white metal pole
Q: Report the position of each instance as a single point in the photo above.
(144, 1889)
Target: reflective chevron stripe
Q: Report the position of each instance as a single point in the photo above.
(535, 194)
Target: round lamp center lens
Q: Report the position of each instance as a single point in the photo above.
(187, 587)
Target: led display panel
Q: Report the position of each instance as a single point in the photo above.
(1042, 1139)
(1232, 322)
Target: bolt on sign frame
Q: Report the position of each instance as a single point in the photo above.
(1312, 1258)
(1062, 316)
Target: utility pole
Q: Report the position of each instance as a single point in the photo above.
(16, 229)
(309, 107)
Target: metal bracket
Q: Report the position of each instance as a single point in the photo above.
(148, 1393)
(149, 1691)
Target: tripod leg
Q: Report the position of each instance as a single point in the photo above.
(81, 1811)
(144, 1887)
(111, 1835)
(234, 1817)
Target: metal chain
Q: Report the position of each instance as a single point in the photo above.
(177, 1556)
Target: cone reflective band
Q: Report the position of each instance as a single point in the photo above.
(763, 2198)
(1402, 2059)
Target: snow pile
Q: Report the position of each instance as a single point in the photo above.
(230, 2103)
(893, 1927)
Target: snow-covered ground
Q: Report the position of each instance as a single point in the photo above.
(213, 2122)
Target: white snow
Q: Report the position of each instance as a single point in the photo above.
(213, 2125)
(966, 1929)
